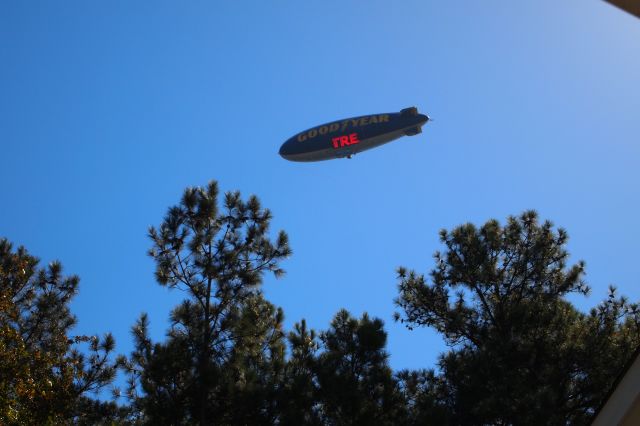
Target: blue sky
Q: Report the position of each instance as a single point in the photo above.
(108, 110)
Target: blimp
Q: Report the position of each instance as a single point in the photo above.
(346, 137)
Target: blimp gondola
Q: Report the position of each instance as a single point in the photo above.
(347, 137)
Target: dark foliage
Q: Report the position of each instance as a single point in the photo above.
(223, 361)
(224, 354)
(44, 376)
(356, 385)
(520, 353)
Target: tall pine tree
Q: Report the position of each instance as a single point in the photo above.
(225, 345)
(520, 352)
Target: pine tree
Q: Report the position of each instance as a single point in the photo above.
(224, 335)
(45, 377)
(299, 402)
(355, 383)
(520, 352)
(341, 376)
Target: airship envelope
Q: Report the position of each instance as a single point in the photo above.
(349, 136)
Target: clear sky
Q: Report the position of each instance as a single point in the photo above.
(109, 109)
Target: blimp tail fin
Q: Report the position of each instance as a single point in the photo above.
(413, 131)
(409, 111)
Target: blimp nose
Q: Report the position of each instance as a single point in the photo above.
(284, 152)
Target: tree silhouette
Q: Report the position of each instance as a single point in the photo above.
(355, 383)
(520, 353)
(44, 376)
(224, 334)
